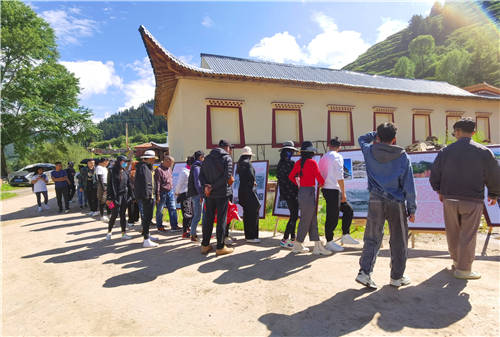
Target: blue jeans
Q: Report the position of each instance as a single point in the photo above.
(82, 197)
(197, 209)
(167, 199)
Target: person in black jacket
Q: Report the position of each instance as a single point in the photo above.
(247, 196)
(216, 178)
(288, 191)
(459, 174)
(143, 189)
(195, 192)
(118, 193)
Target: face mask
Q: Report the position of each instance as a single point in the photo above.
(124, 164)
(289, 154)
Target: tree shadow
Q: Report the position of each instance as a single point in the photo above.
(438, 254)
(52, 220)
(65, 225)
(433, 304)
(251, 265)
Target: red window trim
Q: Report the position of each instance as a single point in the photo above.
(329, 131)
(375, 113)
(413, 126)
(488, 140)
(447, 129)
(210, 142)
(301, 136)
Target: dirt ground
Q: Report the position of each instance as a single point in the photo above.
(59, 277)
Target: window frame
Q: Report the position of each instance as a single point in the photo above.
(451, 114)
(223, 103)
(487, 117)
(284, 106)
(421, 112)
(333, 108)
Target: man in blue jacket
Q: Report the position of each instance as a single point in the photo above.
(392, 198)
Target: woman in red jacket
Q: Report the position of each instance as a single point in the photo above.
(305, 173)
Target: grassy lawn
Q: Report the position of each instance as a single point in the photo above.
(6, 191)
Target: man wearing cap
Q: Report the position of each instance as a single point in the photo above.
(331, 167)
(195, 191)
(143, 189)
(459, 174)
(164, 194)
(216, 178)
(288, 191)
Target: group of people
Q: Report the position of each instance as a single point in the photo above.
(204, 191)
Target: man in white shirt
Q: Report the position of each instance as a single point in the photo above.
(331, 167)
(102, 182)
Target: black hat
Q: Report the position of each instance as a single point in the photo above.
(225, 143)
(307, 146)
(122, 158)
(288, 145)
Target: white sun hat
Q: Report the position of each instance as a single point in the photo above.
(149, 154)
(247, 151)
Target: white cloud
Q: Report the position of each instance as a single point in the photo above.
(332, 47)
(207, 21)
(75, 10)
(69, 28)
(388, 27)
(141, 90)
(188, 59)
(95, 76)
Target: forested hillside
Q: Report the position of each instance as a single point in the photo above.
(457, 43)
(140, 121)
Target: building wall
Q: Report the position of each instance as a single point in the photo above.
(187, 115)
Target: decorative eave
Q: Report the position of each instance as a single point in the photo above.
(483, 87)
(384, 109)
(483, 114)
(167, 69)
(454, 113)
(233, 103)
(418, 111)
(340, 107)
(287, 105)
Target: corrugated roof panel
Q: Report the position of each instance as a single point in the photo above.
(245, 67)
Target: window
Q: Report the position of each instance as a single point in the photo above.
(451, 118)
(382, 115)
(287, 123)
(340, 123)
(224, 121)
(421, 125)
(483, 126)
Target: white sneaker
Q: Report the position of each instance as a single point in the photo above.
(90, 214)
(149, 244)
(319, 249)
(333, 247)
(299, 248)
(39, 209)
(153, 238)
(365, 280)
(466, 275)
(104, 218)
(125, 236)
(130, 225)
(253, 240)
(108, 236)
(45, 206)
(95, 213)
(404, 281)
(348, 240)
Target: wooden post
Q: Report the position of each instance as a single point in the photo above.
(276, 226)
(485, 247)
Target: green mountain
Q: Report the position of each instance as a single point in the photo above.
(457, 43)
(140, 121)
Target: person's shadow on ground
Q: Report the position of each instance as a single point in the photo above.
(251, 265)
(434, 304)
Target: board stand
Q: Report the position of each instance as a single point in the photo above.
(412, 234)
(278, 218)
(488, 236)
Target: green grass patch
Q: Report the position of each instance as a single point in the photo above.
(7, 195)
(6, 187)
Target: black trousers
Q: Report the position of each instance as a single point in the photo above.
(39, 198)
(333, 207)
(133, 212)
(60, 193)
(92, 198)
(187, 211)
(248, 200)
(148, 206)
(293, 207)
(219, 205)
(71, 191)
(120, 208)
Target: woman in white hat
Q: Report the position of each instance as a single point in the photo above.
(247, 196)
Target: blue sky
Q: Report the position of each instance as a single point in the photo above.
(100, 43)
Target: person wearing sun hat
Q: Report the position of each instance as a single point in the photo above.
(288, 191)
(247, 196)
(143, 189)
(305, 173)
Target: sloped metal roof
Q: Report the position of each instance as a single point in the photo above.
(279, 71)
